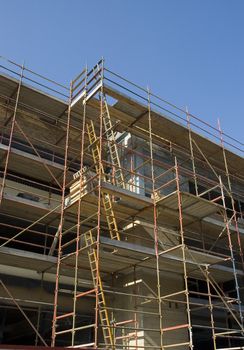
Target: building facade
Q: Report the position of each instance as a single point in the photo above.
(121, 218)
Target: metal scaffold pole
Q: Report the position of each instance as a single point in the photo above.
(78, 228)
(231, 194)
(60, 228)
(155, 226)
(211, 309)
(99, 207)
(233, 260)
(183, 248)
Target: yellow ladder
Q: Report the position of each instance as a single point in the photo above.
(106, 198)
(109, 213)
(113, 150)
(97, 281)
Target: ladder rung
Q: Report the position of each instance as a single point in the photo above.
(103, 319)
(92, 259)
(103, 311)
(111, 222)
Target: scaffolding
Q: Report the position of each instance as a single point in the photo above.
(130, 207)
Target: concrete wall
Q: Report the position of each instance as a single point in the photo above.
(30, 194)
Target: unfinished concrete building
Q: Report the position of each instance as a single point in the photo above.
(121, 218)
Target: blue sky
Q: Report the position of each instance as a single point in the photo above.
(190, 52)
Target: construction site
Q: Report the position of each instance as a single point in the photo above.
(121, 218)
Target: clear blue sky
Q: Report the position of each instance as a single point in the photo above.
(190, 52)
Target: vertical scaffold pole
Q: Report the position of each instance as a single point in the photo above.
(211, 309)
(226, 221)
(230, 194)
(183, 247)
(135, 307)
(55, 306)
(155, 225)
(78, 229)
(99, 207)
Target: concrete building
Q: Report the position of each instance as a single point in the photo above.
(121, 218)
